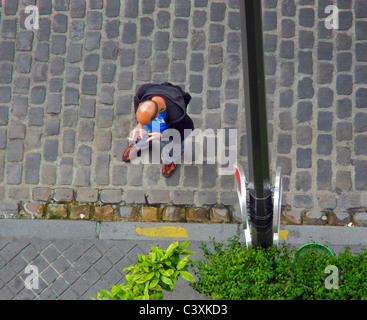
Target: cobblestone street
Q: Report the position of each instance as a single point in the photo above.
(66, 99)
(67, 88)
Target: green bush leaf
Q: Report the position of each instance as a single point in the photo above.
(182, 263)
(187, 252)
(154, 283)
(166, 280)
(132, 267)
(173, 246)
(164, 272)
(156, 296)
(106, 293)
(184, 245)
(187, 276)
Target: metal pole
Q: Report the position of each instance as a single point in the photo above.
(260, 194)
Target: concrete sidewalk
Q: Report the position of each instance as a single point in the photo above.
(77, 258)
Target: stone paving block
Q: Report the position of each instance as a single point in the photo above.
(111, 196)
(41, 194)
(57, 210)
(207, 198)
(52, 126)
(135, 175)
(75, 53)
(148, 214)
(58, 45)
(129, 33)
(15, 192)
(134, 197)
(91, 62)
(119, 173)
(228, 198)
(146, 26)
(82, 177)
(62, 195)
(173, 214)
(85, 155)
(7, 51)
(78, 8)
(182, 197)
(48, 174)
(108, 73)
(94, 21)
(86, 131)
(87, 195)
(44, 31)
(127, 213)
(219, 215)
(77, 30)
(14, 174)
(87, 108)
(303, 201)
(89, 84)
(102, 169)
(350, 201)
(6, 75)
(57, 66)
(112, 8)
(107, 95)
(196, 215)
(15, 151)
(54, 103)
(50, 150)
(3, 138)
(33, 209)
(80, 212)
(158, 197)
(38, 94)
(66, 171)
(21, 84)
(103, 213)
(60, 23)
(92, 40)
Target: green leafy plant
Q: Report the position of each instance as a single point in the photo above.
(152, 273)
(231, 272)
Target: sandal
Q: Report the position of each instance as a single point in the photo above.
(130, 153)
(168, 169)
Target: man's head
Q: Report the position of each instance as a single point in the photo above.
(147, 112)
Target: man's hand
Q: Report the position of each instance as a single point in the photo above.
(138, 132)
(154, 136)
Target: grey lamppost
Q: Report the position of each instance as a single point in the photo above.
(260, 191)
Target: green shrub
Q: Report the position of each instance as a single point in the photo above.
(230, 272)
(157, 270)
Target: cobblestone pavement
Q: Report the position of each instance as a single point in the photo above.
(66, 91)
(66, 96)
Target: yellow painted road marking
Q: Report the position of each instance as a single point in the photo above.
(283, 234)
(165, 232)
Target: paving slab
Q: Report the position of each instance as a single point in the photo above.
(47, 229)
